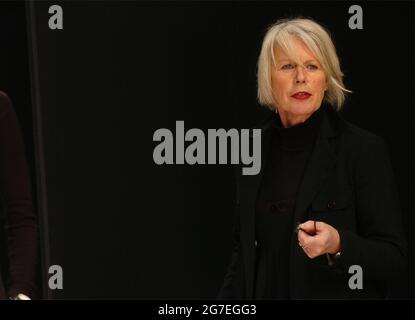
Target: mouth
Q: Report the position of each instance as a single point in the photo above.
(301, 95)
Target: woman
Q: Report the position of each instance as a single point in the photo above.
(325, 202)
(20, 223)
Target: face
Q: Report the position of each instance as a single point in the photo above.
(298, 89)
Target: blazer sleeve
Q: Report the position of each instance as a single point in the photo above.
(379, 245)
(232, 287)
(233, 284)
(15, 192)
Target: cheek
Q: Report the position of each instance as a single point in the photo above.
(323, 83)
(320, 86)
(280, 87)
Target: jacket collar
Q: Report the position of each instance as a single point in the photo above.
(322, 159)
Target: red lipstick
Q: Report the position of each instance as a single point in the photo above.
(301, 95)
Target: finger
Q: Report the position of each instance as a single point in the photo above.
(309, 227)
(306, 251)
(312, 243)
(307, 248)
(303, 237)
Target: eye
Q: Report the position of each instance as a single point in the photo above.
(287, 66)
(312, 67)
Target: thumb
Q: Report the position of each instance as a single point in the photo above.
(309, 227)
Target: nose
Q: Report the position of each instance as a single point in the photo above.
(300, 76)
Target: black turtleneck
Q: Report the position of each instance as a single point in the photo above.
(288, 155)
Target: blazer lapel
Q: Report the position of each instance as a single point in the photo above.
(322, 161)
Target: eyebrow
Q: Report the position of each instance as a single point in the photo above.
(310, 60)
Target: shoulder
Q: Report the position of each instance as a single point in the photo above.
(352, 141)
(5, 104)
(264, 124)
(363, 143)
(335, 125)
(361, 137)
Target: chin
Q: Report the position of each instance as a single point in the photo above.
(302, 108)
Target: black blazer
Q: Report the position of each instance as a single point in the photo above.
(18, 227)
(349, 184)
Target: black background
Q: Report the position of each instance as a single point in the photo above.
(123, 227)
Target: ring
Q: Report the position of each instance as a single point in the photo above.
(299, 243)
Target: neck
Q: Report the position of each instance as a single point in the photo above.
(290, 120)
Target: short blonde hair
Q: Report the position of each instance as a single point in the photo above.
(317, 40)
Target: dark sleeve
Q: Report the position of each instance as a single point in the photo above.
(15, 191)
(379, 245)
(232, 287)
